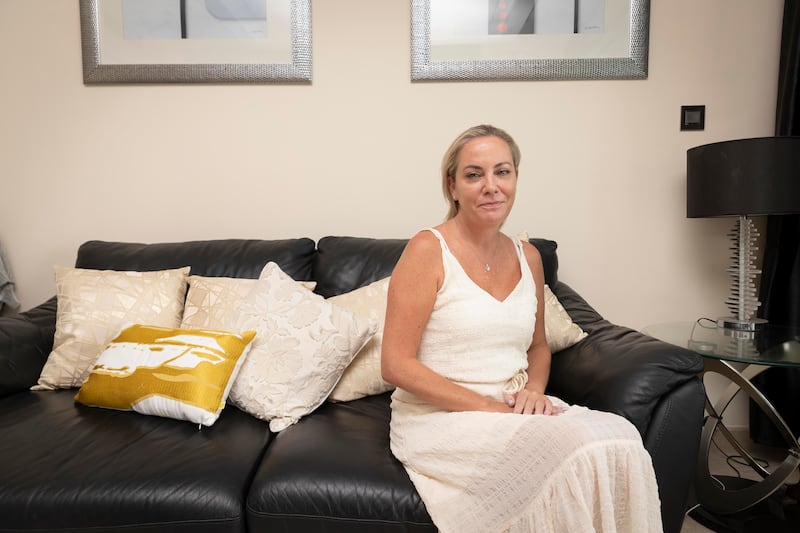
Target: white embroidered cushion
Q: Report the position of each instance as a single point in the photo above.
(303, 344)
(211, 301)
(559, 328)
(363, 376)
(93, 305)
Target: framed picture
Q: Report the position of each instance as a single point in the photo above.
(471, 40)
(196, 41)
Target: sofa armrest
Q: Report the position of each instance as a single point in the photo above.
(617, 369)
(26, 340)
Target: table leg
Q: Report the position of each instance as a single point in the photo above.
(711, 493)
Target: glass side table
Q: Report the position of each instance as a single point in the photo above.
(770, 346)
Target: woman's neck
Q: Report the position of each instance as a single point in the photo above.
(480, 236)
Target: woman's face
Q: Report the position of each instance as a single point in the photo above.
(485, 182)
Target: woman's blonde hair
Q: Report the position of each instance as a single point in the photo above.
(450, 159)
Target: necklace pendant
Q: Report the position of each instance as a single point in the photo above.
(487, 267)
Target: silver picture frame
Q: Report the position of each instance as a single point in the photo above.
(296, 68)
(631, 64)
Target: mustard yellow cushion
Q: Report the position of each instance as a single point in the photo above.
(184, 374)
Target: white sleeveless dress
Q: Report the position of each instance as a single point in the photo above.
(581, 471)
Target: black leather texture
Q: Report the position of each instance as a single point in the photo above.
(232, 258)
(67, 467)
(617, 369)
(343, 264)
(351, 482)
(26, 340)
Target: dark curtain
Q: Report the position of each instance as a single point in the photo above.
(780, 278)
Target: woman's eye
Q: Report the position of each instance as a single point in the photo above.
(504, 172)
(473, 175)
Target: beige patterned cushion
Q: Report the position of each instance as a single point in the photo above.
(559, 328)
(211, 300)
(176, 373)
(93, 306)
(363, 376)
(303, 344)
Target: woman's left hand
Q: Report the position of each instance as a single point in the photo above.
(528, 402)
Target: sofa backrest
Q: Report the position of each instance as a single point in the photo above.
(337, 264)
(343, 264)
(233, 258)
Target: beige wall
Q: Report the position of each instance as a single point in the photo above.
(357, 151)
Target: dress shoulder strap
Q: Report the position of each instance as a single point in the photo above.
(438, 236)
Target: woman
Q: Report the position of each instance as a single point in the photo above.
(464, 343)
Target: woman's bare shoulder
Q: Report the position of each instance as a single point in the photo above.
(422, 257)
(423, 245)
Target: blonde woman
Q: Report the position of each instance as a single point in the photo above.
(464, 343)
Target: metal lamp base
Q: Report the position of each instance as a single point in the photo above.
(743, 301)
(735, 324)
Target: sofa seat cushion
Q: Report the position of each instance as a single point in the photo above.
(67, 467)
(334, 471)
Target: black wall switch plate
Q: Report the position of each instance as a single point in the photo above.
(693, 117)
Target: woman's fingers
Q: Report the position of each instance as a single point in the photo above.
(528, 403)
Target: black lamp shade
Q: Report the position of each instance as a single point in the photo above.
(758, 176)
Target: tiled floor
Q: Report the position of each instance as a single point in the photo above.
(721, 466)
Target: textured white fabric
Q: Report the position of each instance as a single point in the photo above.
(363, 376)
(211, 301)
(94, 305)
(580, 471)
(560, 330)
(303, 344)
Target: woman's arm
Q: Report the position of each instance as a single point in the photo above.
(415, 282)
(532, 398)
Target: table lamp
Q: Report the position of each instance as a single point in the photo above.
(742, 178)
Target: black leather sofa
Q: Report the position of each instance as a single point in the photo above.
(67, 467)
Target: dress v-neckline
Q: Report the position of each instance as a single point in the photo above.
(446, 248)
(481, 289)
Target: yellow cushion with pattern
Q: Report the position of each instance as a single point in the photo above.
(184, 374)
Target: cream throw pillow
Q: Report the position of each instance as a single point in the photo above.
(559, 328)
(211, 300)
(363, 376)
(93, 305)
(303, 344)
(175, 373)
